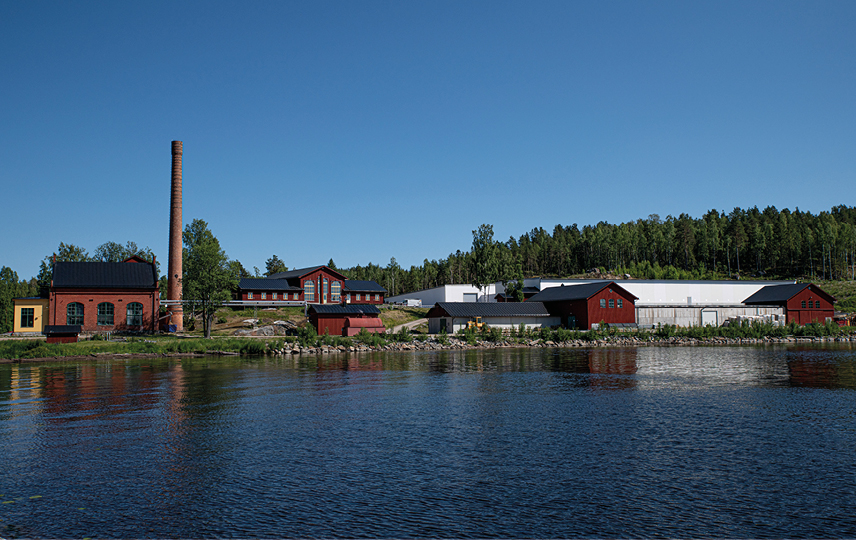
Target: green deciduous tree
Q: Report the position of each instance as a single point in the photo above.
(485, 257)
(208, 280)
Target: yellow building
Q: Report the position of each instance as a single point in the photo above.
(31, 315)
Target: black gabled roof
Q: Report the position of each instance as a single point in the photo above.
(266, 284)
(302, 272)
(772, 294)
(582, 291)
(104, 275)
(368, 309)
(61, 329)
(492, 309)
(356, 285)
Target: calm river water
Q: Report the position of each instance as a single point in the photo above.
(648, 442)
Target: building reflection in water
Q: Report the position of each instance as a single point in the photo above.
(821, 368)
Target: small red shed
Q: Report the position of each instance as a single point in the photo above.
(337, 320)
(62, 333)
(580, 306)
(803, 303)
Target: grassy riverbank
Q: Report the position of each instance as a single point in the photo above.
(306, 340)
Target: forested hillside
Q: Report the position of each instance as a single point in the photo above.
(765, 243)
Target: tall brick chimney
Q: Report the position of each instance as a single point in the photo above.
(174, 277)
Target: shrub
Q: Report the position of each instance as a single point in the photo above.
(370, 339)
(493, 334)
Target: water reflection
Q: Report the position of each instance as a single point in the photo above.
(690, 441)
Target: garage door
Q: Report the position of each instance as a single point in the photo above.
(471, 297)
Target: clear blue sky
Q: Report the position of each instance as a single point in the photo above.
(368, 130)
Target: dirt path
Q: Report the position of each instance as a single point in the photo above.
(411, 324)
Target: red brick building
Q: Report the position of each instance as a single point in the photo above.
(314, 285)
(105, 296)
(580, 306)
(803, 303)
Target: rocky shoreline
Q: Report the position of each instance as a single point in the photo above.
(453, 344)
(433, 344)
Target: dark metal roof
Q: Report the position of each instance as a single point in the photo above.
(266, 284)
(773, 294)
(368, 309)
(104, 275)
(294, 273)
(574, 292)
(300, 272)
(62, 329)
(356, 285)
(493, 309)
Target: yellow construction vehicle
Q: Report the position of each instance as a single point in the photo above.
(475, 324)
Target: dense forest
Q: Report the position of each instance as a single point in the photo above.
(766, 244)
(755, 243)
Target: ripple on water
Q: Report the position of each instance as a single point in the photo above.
(727, 442)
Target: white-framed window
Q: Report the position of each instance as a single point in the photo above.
(273, 296)
(377, 298)
(611, 303)
(603, 302)
(336, 291)
(309, 290)
(249, 296)
(620, 303)
(358, 297)
(264, 296)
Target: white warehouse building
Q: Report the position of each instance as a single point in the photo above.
(685, 303)
(676, 302)
(448, 293)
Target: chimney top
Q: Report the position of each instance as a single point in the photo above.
(177, 147)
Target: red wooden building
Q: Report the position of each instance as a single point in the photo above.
(62, 333)
(313, 285)
(105, 296)
(338, 320)
(803, 303)
(580, 306)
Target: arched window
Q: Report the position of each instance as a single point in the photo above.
(74, 313)
(309, 290)
(105, 314)
(135, 314)
(325, 287)
(336, 291)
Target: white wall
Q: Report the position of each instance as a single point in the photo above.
(647, 316)
(453, 324)
(678, 293)
(447, 293)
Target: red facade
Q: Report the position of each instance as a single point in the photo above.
(319, 285)
(339, 324)
(119, 299)
(278, 296)
(611, 304)
(365, 298)
(808, 306)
